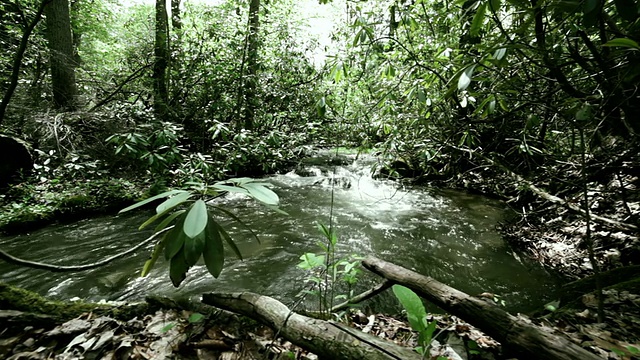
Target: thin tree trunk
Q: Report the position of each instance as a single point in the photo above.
(63, 76)
(252, 64)
(161, 58)
(17, 59)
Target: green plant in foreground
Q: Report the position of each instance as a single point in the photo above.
(417, 316)
(328, 273)
(196, 233)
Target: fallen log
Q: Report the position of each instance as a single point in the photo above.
(524, 339)
(326, 339)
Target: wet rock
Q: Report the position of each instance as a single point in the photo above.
(16, 158)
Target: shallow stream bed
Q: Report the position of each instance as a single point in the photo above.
(448, 235)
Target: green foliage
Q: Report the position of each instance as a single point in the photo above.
(331, 277)
(192, 231)
(153, 146)
(27, 205)
(417, 316)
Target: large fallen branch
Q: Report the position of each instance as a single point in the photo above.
(324, 338)
(516, 334)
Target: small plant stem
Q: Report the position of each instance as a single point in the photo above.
(588, 239)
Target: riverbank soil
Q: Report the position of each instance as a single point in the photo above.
(557, 235)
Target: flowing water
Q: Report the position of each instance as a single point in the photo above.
(448, 235)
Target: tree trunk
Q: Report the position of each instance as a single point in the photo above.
(524, 339)
(324, 338)
(250, 83)
(17, 59)
(176, 19)
(63, 76)
(161, 58)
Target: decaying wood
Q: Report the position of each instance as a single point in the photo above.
(526, 340)
(324, 338)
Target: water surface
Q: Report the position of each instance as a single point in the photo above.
(448, 235)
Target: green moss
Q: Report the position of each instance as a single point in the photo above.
(34, 206)
(13, 298)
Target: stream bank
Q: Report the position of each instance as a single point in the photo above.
(553, 234)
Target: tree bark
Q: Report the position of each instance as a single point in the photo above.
(524, 339)
(161, 58)
(323, 338)
(63, 76)
(251, 81)
(17, 59)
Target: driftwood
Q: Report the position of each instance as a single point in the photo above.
(524, 339)
(324, 338)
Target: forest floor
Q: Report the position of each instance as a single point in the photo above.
(557, 235)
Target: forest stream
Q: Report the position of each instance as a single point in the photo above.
(446, 234)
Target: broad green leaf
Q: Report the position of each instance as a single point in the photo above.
(237, 181)
(413, 305)
(159, 215)
(172, 202)
(427, 334)
(196, 219)
(262, 193)
(311, 261)
(623, 42)
(213, 251)
(193, 248)
(228, 188)
(321, 107)
(465, 78)
(494, 5)
(163, 224)
(168, 327)
(195, 317)
(174, 239)
(155, 254)
(178, 269)
(146, 201)
(227, 238)
(478, 19)
(499, 53)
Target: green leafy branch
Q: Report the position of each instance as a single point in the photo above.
(196, 234)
